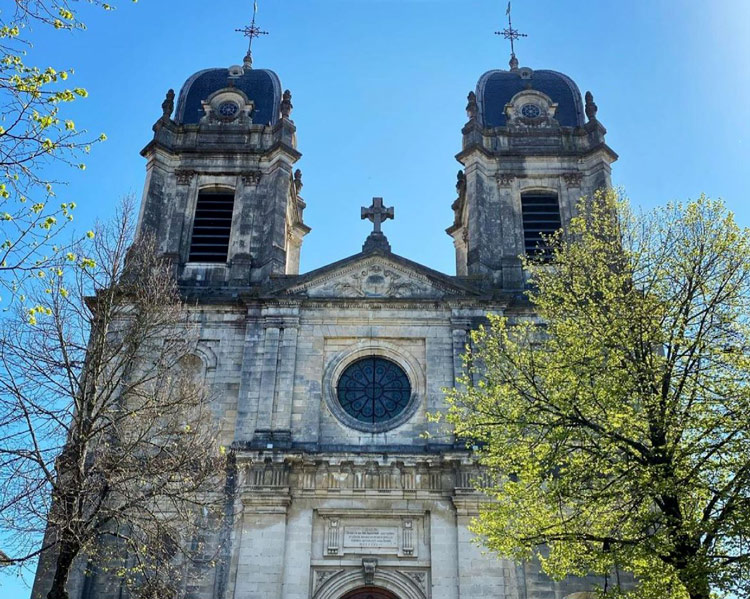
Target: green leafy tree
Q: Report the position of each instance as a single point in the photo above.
(616, 423)
(35, 136)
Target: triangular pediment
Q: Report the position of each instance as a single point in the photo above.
(376, 275)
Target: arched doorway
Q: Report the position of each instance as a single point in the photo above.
(369, 593)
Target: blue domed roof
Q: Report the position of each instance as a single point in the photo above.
(261, 86)
(496, 88)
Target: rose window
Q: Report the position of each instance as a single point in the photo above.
(373, 390)
(531, 111)
(228, 109)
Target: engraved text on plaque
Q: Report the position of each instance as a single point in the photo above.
(370, 536)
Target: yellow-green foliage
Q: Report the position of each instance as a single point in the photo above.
(617, 423)
(35, 134)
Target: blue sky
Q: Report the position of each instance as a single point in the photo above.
(379, 89)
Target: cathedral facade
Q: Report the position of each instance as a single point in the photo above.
(344, 488)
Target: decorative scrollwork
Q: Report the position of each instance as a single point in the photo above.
(184, 177)
(251, 178)
(573, 179)
(505, 179)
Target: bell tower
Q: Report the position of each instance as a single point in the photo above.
(531, 149)
(222, 195)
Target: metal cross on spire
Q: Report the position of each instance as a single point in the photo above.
(512, 35)
(251, 32)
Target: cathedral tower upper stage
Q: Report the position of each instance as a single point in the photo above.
(531, 148)
(221, 194)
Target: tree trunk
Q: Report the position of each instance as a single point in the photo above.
(63, 563)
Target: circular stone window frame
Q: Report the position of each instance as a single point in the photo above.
(371, 348)
(228, 104)
(533, 107)
(245, 106)
(514, 108)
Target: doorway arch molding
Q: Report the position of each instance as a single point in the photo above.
(350, 580)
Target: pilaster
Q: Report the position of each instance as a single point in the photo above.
(262, 546)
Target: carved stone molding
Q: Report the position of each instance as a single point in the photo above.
(333, 537)
(573, 179)
(251, 178)
(419, 578)
(323, 576)
(184, 177)
(407, 531)
(531, 109)
(369, 564)
(334, 368)
(376, 280)
(268, 475)
(332, 584)
(505, 179)
(355, 476)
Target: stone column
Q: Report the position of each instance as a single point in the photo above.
(262, 547)
(460, 242)
(293, 247)
(268, 376)
(287, 362)
(444, 552)
(569, 196)
(460, 326)
(249, 392)
(511, 230)
(271, 255)
(298, 553)
(481, 574)
(181, 225)
(439, 354)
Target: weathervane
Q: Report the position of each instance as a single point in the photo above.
(251, 32)
(512, 35)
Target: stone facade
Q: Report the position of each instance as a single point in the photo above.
(323, 504)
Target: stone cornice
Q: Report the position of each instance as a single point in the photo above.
(355, 475)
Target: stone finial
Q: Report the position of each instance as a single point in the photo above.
(167, 107)
(286, 104)
(513, 62)
(591, 107)
(298, 180)
(472, 108)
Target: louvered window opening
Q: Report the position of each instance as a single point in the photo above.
(541, 217)
(212, 227)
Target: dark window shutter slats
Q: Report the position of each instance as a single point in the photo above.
(541, 217)
(211, 227)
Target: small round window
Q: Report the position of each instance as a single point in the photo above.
(228, 109)
(531, 111)
(373, 390)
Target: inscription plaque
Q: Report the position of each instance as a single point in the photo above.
(370, 536)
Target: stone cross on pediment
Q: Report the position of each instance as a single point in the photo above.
(377, 214)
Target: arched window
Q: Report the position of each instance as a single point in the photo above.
(212, 226)
(541, 217)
